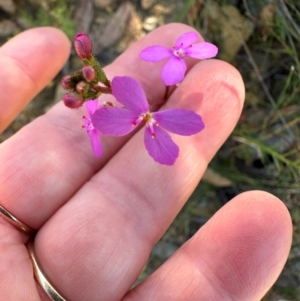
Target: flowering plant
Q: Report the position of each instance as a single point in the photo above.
(87, 85)
(117, 121)
(185, 46)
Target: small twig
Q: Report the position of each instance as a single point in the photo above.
(266, 90)
(290, 144)
(252, 144)
(264, 76)
(288, 15)
(249, 14)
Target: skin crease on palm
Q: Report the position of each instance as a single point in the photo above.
(97, 219)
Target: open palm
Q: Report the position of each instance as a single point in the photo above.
(97, 219)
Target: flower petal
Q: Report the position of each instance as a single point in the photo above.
(161, 148)
(129, 93)
(179, 121)
(203, 50)
(114, 121)
(173, 71)
(91, 106)
(96, 143)
(187, 39)
(155, 53)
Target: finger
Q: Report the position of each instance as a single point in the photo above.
(28, 62)
(16, 274)
(237, 255)
(55, 157)
(106, 231)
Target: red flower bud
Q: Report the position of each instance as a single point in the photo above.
(67, 83)
(71, 101)
(82, 87)
(89, 73)
(83, 45)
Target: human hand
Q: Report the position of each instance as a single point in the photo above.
(97, 219)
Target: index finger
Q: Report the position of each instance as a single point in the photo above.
(28, 62)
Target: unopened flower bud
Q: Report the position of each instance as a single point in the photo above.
(71, 101)
(89, 73)
(83, 45)
(82, 87)
(66, 82)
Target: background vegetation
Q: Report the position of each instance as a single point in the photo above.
(261, 39)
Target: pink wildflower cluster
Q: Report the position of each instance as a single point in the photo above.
(87, 85)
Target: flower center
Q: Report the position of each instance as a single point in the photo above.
(148, 120)
(88, 126)
(179, 52)
(150, 123)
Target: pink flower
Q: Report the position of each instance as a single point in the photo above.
(174, 69)
(118, 121)
(91, 107)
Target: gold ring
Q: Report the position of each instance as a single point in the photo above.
(38, 273)
(41, 278)
(15, 222)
